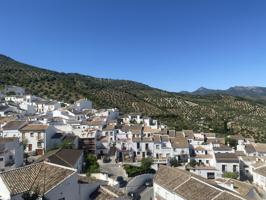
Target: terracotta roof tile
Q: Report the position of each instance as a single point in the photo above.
(34, 127)
(32, 177)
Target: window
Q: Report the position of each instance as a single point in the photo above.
(234, 168)
(1, 159)
(30, 147)
(39, 144)
(157, 146)
(207, 161)
(146, 146)
(31, 134)
(138, 145)
(210, 175)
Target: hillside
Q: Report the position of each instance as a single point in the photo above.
(220, 113)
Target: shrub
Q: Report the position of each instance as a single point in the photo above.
(133, 171)
(66, 144)
(232, 175)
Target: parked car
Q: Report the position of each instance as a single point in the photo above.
(148, 183)
(134, 195)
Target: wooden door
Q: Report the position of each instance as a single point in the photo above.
(39, 151)
(30, 147)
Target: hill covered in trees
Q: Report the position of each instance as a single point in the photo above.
(220, 113)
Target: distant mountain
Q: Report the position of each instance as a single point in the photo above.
(205, 91)
(254, 93)
(220, 112)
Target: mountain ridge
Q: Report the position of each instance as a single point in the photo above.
(250, 92)
(219, 113)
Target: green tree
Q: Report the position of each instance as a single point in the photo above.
(66, 145)
(146, 163)
(92, 166)
(174, 162)
(193, 163)
(232, 142)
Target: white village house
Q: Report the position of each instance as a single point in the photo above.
(53, 181)
(38, 138)
(12, 129)
(11, 153)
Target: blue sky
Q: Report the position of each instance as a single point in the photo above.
(169, 44)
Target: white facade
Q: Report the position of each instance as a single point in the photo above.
(162, 193)
(142, 149)
(13, 132)
(46, 106)
(207, 173)
(223, 167)
(15, 99)
(39, 140)
(29, 108)
(83, 104)
(260, 179)
(12, 153)
(110, 114)
(67, 190)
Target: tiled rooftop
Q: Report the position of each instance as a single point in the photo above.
(35, 127)
(42, 176)
(190, 186)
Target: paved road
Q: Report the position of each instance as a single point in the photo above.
(147, 194)
(115, 169)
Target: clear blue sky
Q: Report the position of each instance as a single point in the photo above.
(170, 44)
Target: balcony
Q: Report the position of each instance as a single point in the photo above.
(163, 150)
(40, 140)
(160, 160)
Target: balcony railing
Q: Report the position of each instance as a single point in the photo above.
(160, 160)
